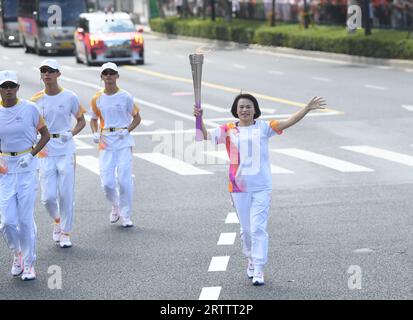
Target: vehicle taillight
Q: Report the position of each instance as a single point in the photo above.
(137, 40)
(95, 42)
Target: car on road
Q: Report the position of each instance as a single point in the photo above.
(108, 36)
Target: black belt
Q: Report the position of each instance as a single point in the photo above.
(15, 154)
(113, 129)
(55, 135)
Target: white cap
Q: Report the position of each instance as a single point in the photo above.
(109, 65)
(8, 75)
(51, 63)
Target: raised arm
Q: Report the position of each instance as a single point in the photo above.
(199, 112)
(314, 104)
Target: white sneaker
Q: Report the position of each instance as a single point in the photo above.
(114, 215)
(250, 269)
(127, 223)
(65, 241)
(258, 279)
(28, 273)
(17, 267)
(56, 232)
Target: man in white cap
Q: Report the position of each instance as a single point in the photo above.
(57, 164)
(118, 115)
(19, 123)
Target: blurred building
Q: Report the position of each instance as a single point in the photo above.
(138, 9)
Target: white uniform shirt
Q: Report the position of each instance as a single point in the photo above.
(57, 111)
(114, 111)
(247, 148)
(18, 131)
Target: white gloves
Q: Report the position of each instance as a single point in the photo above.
(66, 136)
(123, 133)
(96, 137)
(25, 160)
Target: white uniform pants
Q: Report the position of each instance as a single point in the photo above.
(57, 180)
(17, 201)
(116, 177)
(252, 209)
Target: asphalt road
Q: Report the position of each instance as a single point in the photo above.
(342, 183)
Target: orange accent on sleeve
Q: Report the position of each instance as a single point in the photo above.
(81, 112)
(37, 96)
(96, 109)
(136, 110)
(274, 126)
(41, 123)
(230, 125)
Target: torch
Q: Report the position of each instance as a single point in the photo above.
(196, 61)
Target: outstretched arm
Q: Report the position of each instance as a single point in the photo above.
(314, 104)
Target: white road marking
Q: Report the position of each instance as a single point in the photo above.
(239, 66)
(20, 63)
(370, 86)
(278, 73)
(156, 52)
(329, 162)
(232, 218)
(6, 58)
(321, 79)
(384, 67)
(147, 123)
(363, 250)
(227, 238)
(214, 108)
(408, 108)
(408, 70)
(89, 162)
(172, 164)
(80, 145)
(382, 154)
(210, 293)
(218, 264)
(224, 156)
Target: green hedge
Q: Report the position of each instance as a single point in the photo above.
(381, 44)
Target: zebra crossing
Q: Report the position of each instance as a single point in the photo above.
(188, 168)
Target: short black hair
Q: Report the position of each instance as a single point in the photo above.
(249, 97)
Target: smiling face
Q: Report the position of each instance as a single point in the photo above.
(245, 110)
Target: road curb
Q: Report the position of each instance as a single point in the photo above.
(397, 63)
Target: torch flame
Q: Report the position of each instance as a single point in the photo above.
(201, 50)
